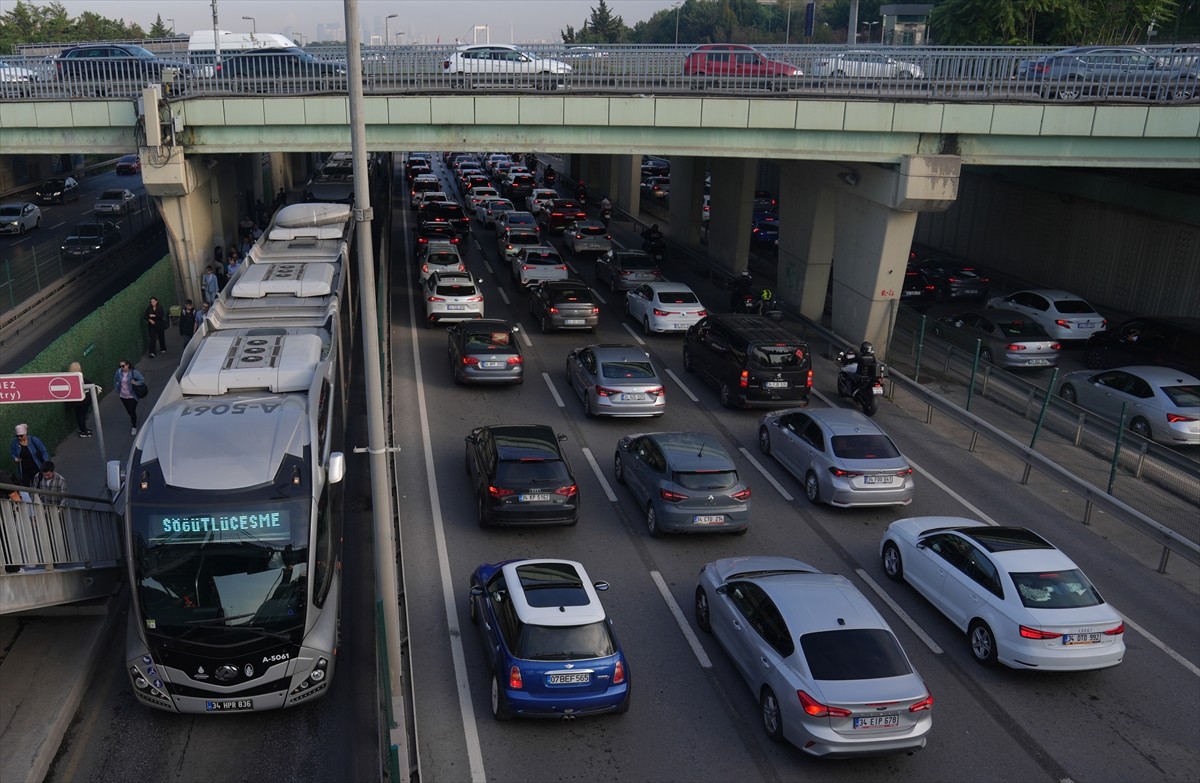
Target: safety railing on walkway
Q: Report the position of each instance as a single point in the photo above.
(54, 530)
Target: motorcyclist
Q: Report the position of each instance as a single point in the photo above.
(605, 210)
(652, 235)
(549, 176)
(866, 360)
(741, 288)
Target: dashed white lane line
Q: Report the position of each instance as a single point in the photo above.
(903, 615)
(683, 386)
(525, 339)
(1184, 662)
(681, 621)
(587, 454)
(503, 295)
(778, 487)
(553, 391)
(599, 297)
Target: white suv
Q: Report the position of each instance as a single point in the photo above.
(499, 61)
(438, 257)
(452, 296)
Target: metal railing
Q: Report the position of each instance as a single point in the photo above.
(895, 73)
(56, 531)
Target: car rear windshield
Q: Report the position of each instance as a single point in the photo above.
(564, 642)
(550, 472)
(489, 341)
(522, 238)
(1077, 306)
(638, 262)
(1183, 396)
(591, 231)
(706, 480)
(634, 369)
(115, 195)
(864, 447)
(542, 259)
(1055, 589)
(677, 297)
(521, 219)
(443, 259)
(1022, 329)
(854, 654)
(455, 289)
(560, 295)
(779, 356)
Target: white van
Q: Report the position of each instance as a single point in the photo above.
(202, 52)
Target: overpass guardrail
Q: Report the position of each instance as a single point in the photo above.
(997, 74)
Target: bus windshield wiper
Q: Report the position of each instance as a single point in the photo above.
(219, 620)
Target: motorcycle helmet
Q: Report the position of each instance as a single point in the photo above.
(866, 349)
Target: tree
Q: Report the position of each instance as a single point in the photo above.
(160, 30)
(1059, 22)
(600, 27)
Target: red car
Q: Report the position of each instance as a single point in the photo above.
(735, 60)
(129, 164)
(558, 214)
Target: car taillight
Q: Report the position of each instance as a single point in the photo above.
(742, 495)
(553, 310)
(657, 391)
(1063, 323)
(1117, 631)
(567, 491)
(595, 311)
(475, 299)
(625, 272)
(514, 360)
(1014, 347)
(744, 379)
(470, 360)
(1034, 633)
(514, 678)
(843, 473)
(462, 268)
(579, 236)
(660, 313)
(671, 497)
(905, 472)
(562, 268)
(1056, 346)
(951, 279)
(924, 704)
(808, 382)
(500, 492)
(619, 673)
(819, 710)
(704, 314)
(1175, 418)
(602, 391)
(425, 268)
(432, 298)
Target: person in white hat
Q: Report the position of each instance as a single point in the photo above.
(29, 453)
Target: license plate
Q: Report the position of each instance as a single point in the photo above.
(876, 390)
(633, 397)
(535, 497)
(573, 322)
(890, 720)
(970, 292)
(456, 307)
(491, 365)
(679, 326)
(911, 293)
(570, 678)
(233, 705)
(1038, 363)
(877, 479)
(1081, 638)
(708, 519)
(775, 385)
(1084, 325)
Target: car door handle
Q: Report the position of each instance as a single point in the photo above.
(765, 662)
(737, 625)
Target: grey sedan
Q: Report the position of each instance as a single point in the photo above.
(1008, 338)
(485, 351)
(685, 481)
(1161, 404)
(843, 457)
(115, 201)
(616, 380)
(828, 673)
(626, 269)
(587, 236)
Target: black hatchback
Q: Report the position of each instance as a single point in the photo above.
(521, 476)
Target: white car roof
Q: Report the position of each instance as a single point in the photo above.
(592, 612)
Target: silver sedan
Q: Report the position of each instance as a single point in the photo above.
(843, 457)
(1007, 338)
(616, 380)
(1160, 403)
(587, 236)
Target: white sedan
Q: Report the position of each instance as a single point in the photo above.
(1063, 315)
(540, 197)
(1021, 601)
(499, 60)
(664, 307)
(19, 217)
(869, 65)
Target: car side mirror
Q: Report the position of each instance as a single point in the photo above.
(562, 438)
(921, 544)
(600, 585)
(722, 589)
(477, 590)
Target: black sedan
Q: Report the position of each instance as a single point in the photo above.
(89, 239)
(57, 190)
(264, 68)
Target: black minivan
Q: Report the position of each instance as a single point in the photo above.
(753, 361)
(1168, 341)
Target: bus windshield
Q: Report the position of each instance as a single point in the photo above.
(241, 566)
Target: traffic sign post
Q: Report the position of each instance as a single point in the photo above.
(42, 387)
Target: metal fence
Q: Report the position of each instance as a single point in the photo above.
(892, 73)
(53, 532)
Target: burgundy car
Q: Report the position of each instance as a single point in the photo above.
(555, 217)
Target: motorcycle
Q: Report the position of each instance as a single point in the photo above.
(581, 194)
(549, 178)
(862, 389)
(656, 247)
(606, 216)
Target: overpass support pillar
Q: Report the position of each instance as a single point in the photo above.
(687, 199)
(197, 211)
(626, 191)
(732, 207)
(805, 239)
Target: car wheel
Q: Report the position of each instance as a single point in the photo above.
(986, 355)
(587, 405)
(812, 488)
(1067, 392)
(1071, 92)
(619, 469)
(687, 360)
(703, 620)
(726, 396)
(646, 330)
(772, 717)
(983, 643)
(893, 566)
(764, 440)
(20, 229)
(499, 708)
(1141, 427)
(481, 510)
(652, 521)
(546, 328)
(1094, 359)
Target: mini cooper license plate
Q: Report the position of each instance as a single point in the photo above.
(569, 678)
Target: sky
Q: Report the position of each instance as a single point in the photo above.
(420, 21)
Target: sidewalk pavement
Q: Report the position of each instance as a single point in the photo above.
(47, 657)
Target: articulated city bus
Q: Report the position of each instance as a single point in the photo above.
(232, 495)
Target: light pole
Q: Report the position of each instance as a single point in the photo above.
(869, 25)
(787, 36)
(387, 35)
(398, 34)
(678, 6)
(253, 24)
(172, 21)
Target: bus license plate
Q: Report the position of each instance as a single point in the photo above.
(1081, 638)
(233, 705)
(888, 721)
(536, 497)
(570, 678)
(775, 385)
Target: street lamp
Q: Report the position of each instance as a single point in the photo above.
(677, 8)
(787, 36)
(387, 38)
(172, 21)
(398, 34)
(869, 25)
(253, 24)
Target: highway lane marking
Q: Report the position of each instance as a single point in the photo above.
(525, 339)
(571, 266)
(682, 385)
(633, 334)
(1184, 662)
(973, 508)
(465, 704)
(503, 296)
(587, 454)
(553, 391)
(778, 487)
(599, 298)
(903, 615)
(681, 621)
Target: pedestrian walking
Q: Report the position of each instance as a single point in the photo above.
(51, 480)
(29, 453)
(235, 261)
(84, 406)
(126, 380)
(156, 326)
(208, 286)
(187, 321)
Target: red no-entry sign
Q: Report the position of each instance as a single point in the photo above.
(42, 387)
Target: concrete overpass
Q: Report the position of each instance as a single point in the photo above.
(854, 173)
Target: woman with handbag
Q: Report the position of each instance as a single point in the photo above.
(131, 387)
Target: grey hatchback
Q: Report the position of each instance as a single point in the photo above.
(686, 481)
(563, 304)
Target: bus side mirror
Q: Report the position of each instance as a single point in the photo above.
(114, 475)
(337, 467)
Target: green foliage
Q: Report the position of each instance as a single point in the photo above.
(1055, 22)
(31, 23)
(159, 29)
